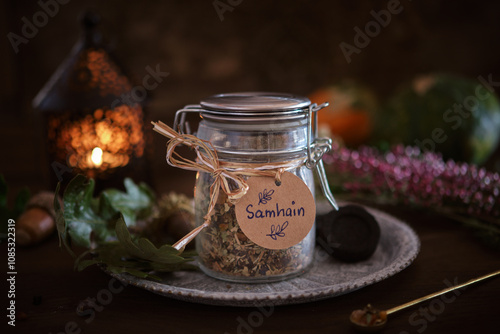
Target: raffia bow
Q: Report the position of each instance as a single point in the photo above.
(208, 161)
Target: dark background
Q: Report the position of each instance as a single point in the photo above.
(286, 46)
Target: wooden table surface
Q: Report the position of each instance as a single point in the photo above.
(48, 291)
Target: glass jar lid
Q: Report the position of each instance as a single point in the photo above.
(255, 104)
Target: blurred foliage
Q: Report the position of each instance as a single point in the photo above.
(456, 116)
(7, 213)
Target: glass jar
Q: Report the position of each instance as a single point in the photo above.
(254, 128)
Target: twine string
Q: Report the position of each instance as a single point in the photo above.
(207, 161)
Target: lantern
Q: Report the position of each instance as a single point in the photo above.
(92, 125)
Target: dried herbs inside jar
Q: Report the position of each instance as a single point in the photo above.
(225, 251)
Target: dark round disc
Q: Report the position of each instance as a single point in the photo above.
(350, 234)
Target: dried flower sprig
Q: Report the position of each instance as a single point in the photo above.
(405, 175)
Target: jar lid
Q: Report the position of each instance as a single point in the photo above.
(255, 103)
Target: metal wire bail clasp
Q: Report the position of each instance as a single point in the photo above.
(180, 123)
(316, 148)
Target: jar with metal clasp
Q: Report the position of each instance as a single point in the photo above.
(257, 133)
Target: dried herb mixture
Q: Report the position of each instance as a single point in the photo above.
(225, 250)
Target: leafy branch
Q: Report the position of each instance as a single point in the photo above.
(101, 223)
(139, 258)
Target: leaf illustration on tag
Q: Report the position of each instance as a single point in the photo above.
(277, 231)
(265, 196)
(272, 235)
(267, 212)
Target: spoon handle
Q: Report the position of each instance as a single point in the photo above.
(439, 293)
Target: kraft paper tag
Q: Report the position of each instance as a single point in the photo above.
(276, 217)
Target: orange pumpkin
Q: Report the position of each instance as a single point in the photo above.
(349, 114)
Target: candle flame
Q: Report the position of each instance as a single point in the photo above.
(96, 156)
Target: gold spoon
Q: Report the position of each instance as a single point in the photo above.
(375, 320)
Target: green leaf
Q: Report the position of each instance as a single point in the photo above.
(79, 216)
(7, 213)
(3, 192)
(134, 204)
(20, 202)
(81, 265)
(60, 222)
(145, 250)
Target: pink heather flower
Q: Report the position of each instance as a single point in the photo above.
(407, 175)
